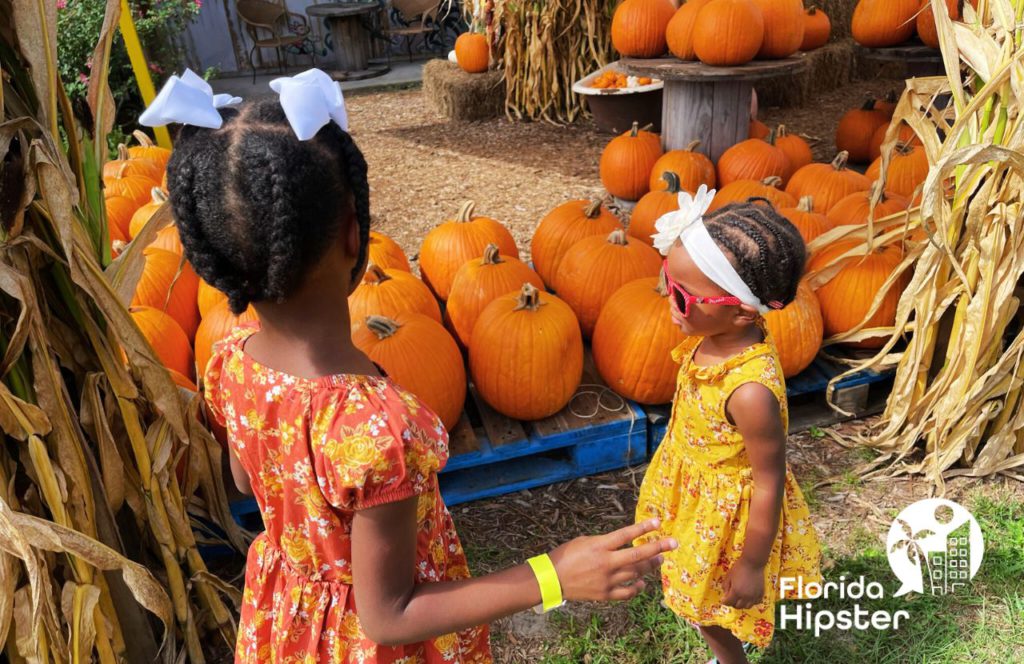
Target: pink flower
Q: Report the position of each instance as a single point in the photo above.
(199, 4)
(61, 4)
(88, 63)
(154, 67)
(82, 78)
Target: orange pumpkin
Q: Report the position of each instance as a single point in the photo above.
(926, 28)
(447, 247)
(627, 161)
(783, 28)
(119, 214)
(480, 282)
(679, 33)
(166, 337)
(563, 227)
(652, 207)
(880, 23)
(639, 26)
(389, 293)
(117, 240)
(742, 190)
(728, 32)
(209, 297)
(136, 188)
(420, 356)
(857, 127)
(758, 129)
(811, 224)
(124, 165)
(595, 267)
(472, 52)
(385, 252)
(633, 342)
(795, 147)
(184, 383)
(827, 183)
(855, 209)
(907, 170)
(167, 239)
(145, 212)
(527, 354)
(169, 284)
(754, 159)
(216, 325)
(797, 331)
(905, 134)
(147, 150)
(817, 29)
(690, 167)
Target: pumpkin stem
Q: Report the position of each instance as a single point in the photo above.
(375, 275)
(529, 298)
(903, 149)
(878, 190)
(781, 131)
(869, 105)
(121, 169)
(618, 237)
(839, 163)
(491, 255)
(693, 145)
(774, 181)
(772, 135)
(672, 180)
(593, 209)
(143, 138)
(806, 204)
(812, 10)
(382, 326)
(635, 131)
(158, 195)
(466, 212)
(122, 152)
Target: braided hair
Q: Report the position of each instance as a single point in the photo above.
(256, 207)
(766, 249)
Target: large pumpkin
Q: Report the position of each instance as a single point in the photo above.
(827, 183)
(795, 147)
(783, 28)
(639, 26)
(169, 284)
(216, 325)
(145, 212)
(652, 207)
(926, 28)
(633, 342)
(692, 168)
(481, 281)
(880, 23)
(125, 165)
(166, 337)
(147, 150)
(563, 227)
(846, 299)
(856, 128)
(817, 29)
(448, 246)
(389, 293)
(136, 188)
(728, 32)
(908, 169)
(527, 354)
(209, 297)
(754, 159)
(385, 252)
(855, 209)
(119, 214)
(420, 356)
(472, 53)
(742, 190)
(811, 224)
(167, 239)
(905, 134)
(797, 331)
(627, 161)
(679, 33)
(595, 267)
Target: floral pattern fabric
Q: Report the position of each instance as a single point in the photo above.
(700, 485)
(316, 452)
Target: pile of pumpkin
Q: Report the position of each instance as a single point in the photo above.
(718, 32)
(882, 23)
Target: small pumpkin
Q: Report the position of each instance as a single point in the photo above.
(208, 298)
(633, 342)
(817, 29)
(166, 337)
(758, 129)
(216, 325)
(797, 331)
(795, 147)
(389, 293)
(679, 33)
(146, 149)
(595, 267)
(167, 239)
(728, 32)
(385, 253)
(124, 165)
(926, 28)
(692, 168)
(856, 128)
(639, 27)
(447, 247)
(754, 159)
(827, 183)
(480, 282)
(880, 23)
(136, 188)
(783, 28)
(563, 227)
(811, 224)
(169, 284)
(855, 209)
(742, 190)
(527, 354)
(472, 52)
(907, 170)
(420, 356)
(627, 161)
(905, 134)
(652, 207)
(145, 212)
(119, 214)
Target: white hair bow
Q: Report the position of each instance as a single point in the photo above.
(310, 100)
(187, 99)
(671, 226)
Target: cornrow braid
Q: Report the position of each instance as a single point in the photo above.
(767, 250)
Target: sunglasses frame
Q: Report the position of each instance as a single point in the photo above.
(676, 290)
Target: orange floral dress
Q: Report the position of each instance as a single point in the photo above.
(316, 452)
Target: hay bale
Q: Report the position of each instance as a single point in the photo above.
(828, 68)
(840, 13)
(457, 95)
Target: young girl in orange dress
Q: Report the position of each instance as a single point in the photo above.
(272, 204)
(719, 480)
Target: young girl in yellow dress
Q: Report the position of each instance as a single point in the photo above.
(719, 482)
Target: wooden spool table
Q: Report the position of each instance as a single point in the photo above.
(708, 104)
(349, 26)
(920, 60)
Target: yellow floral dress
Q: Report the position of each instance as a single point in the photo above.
(316, 452)
(699, 484)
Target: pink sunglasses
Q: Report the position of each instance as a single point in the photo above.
(682, 300)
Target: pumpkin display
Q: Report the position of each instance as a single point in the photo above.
(136, 188)
(389, 293)
(856, 128)
(563, 227)
(679, 33)
(166, 337)
(169, 284)
(146, 149)
(908, 169)
(905, 134)
(880, 23)
(480, 282)
(817, 29)
(783, 28)
(652, 207)
(145, 212)
(208, 298)
(595, 267)
(926, 28)
(124, 165)
(385, 253)
(847, 297)
(420, 356)
(527, 354)
(692, 169)
(827, 183)
(447, 247)
(167, 239)
(742, 190)
(627, 161)
(639, 27)
(754, 159)
(633, 342)
(728, 32)
(855, 209)
(797, 331)
(119, 214)
(758, 129)
(811, 224)
(795, 147)
(472, 52)
(216, 325)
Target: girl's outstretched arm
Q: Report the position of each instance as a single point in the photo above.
(394, 610)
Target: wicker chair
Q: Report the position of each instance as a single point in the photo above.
(420, 17)
(273, 18)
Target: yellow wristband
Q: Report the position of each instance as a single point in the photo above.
(547, 579)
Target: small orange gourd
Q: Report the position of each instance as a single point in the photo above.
(472, 52)
(817, 29)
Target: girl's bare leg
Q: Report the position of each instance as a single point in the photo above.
(727, 648)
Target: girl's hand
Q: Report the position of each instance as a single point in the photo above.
(744, 585)
(600, 569)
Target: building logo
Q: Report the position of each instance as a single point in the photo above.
(935, 546)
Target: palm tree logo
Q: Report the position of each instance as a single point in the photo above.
(910, 544)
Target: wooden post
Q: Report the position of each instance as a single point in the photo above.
(715, 113)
